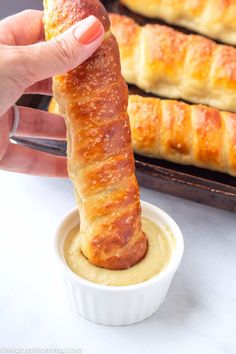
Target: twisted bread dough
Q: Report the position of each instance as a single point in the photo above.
(168, 63)
(214, 18)
(93, 99)
(185, 134)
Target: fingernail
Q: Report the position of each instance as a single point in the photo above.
(88, 31)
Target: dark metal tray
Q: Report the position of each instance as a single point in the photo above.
(200, 185)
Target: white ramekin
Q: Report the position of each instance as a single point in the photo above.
(119, 305)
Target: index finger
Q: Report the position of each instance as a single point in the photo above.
(23, 28)
(25, 160)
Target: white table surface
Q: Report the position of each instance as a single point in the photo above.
(199, 315)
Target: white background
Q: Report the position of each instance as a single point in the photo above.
(199, 315)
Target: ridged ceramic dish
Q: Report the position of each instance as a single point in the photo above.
(119, 305)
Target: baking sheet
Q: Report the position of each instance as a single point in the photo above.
(196, 184)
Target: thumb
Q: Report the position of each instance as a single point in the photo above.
(63, 53)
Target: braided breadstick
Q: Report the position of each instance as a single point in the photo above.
(93, 99)
(214, 18)
(185, 134)
(163, 61)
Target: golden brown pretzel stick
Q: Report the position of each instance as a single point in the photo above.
(93, 99)
(186, 134)
(168, 63)
(214, 18)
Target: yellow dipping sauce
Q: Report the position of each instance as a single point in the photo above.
(160, 246)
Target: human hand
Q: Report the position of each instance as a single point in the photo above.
(27, 65)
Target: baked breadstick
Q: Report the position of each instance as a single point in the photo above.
(214, 18)
(168, 63)
(186, 134)
(93, 99)
(182, 133)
